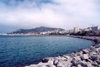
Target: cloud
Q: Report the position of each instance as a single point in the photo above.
(57, 13)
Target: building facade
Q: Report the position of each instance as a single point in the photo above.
(96, 28)
(76, 29)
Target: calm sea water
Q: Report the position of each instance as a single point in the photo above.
(25, 50)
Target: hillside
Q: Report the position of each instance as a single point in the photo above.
(37, 30)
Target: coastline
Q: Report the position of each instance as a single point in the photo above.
(89, 57)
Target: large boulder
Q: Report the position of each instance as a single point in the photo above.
(98, 62)
(61, 63)
(92, 48)
(83, 64)
(74, 63)
(77, 58)
(45, 65)
(95, 64)
(85, 51)
(84, 57)
(45, 60)
(98, 50)
(97, 46)
(93, 53)
(55, 62)
(67, 57)
(79, 53)
(94, 57)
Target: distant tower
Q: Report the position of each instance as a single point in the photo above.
(76, 29)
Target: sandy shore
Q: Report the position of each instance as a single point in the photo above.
(89, 57)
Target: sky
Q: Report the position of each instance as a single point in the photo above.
(18, 14)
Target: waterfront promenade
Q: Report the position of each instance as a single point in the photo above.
(89, 57)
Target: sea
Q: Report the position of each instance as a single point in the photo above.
(17, 51)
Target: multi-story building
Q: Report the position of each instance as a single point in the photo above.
(96, 28)
(76, 29)
(87, 29)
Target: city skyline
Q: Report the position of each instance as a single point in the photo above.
(17, 14)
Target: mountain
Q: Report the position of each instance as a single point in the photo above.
(37, 30)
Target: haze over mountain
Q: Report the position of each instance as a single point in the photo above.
(37, 30)
(17, 14)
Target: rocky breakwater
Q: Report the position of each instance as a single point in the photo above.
(89, 57)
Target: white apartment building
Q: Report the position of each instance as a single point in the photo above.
(76, 29)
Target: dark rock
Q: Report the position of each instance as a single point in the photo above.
(85, 51)
(95, 64)
(92, 48)
(74, 63)
(96, 41)
(86, 60)
(94, 58)
(72, 55)
(97, 46)
(98, 62)
(83, 64)
(55, 62)
(93, 53)
(45, 60)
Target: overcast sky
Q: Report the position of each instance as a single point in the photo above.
(16, 14)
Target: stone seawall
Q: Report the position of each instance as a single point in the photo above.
(89, 57)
